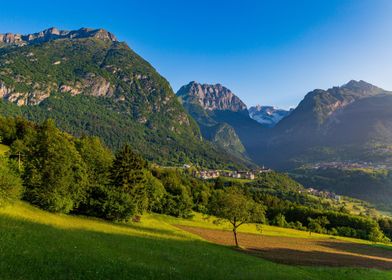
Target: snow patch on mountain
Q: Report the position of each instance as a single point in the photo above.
(268, 115)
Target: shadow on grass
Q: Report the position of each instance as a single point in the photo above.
(362, 249)
(302, 251)
(319, 258)
(31, 250)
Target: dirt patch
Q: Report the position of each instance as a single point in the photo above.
(302, 251)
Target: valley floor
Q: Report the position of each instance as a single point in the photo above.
(38, 245)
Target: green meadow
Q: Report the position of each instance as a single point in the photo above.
(39, 245)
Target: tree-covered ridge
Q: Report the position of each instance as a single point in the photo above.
(101, 87)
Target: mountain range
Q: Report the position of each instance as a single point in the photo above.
(90, 83)
(352, 122)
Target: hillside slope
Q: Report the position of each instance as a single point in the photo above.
(90, 83)
(93, 249)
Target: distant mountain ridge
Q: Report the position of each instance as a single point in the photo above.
(54, 34)
(268, 116)
(341, 123)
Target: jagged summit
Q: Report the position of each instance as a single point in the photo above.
(361, 86)
(211, 97)
(53, 34)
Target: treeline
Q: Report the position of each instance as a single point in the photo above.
(64, 174)
(60, 173)
(299, 211)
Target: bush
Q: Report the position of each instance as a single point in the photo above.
(118, 206)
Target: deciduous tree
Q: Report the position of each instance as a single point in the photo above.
(232, 205)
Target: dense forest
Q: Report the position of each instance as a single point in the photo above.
(61, 173)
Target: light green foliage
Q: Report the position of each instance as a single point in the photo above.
(10, 182)
(232, 205)
(3, 149)
(55, 175)
(177, 200)
(318, 224)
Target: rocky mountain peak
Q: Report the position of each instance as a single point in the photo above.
(361, 87)
(54, 34)
(211, 97)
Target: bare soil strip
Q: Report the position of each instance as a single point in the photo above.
(302, 251)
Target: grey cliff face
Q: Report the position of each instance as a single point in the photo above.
(211, 97)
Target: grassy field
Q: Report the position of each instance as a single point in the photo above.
(3, 149)
(202, 221)
(39, 245)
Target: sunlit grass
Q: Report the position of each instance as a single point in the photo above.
(40, 245)
(200, 220)
(3, 149)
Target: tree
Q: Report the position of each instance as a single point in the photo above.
(280, 220)
(98, 160)
(128, 169)
(177, 200)
(55, 175)
(317, 225)
(129, 178)
(232, 205)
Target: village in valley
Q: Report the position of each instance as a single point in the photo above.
(323, 194)
(213, 174)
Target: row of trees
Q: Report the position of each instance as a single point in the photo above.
(61, 173)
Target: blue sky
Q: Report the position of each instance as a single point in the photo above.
(267, 52)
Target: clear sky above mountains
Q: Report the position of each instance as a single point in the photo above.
(267, 52)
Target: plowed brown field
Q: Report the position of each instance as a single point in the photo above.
(302, 251)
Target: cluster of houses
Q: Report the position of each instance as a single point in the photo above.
(212, 174)
(324, 194)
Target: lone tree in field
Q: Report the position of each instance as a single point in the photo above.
(232, 205)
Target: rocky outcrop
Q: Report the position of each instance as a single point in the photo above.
(211, 97)
(92, 85)
(53, 34)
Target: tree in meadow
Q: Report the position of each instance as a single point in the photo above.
(230, 204)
